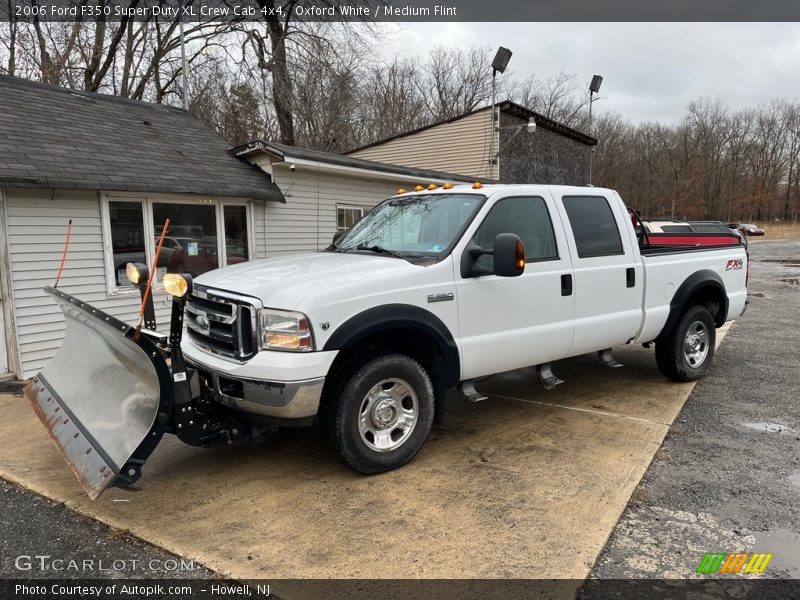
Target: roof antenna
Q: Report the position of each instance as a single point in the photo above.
(64, 255)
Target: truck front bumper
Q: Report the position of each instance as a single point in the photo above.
(276, 399)
(257, 386)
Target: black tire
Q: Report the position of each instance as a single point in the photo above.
(348, 403)
(674, 359)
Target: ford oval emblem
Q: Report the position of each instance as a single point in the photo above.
(202, 321)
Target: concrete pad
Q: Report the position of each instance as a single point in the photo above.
(526, 485)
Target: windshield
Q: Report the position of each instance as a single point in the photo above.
(424, 225)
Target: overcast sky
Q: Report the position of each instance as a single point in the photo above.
(651, 70)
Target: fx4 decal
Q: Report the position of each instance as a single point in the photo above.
(734, 264)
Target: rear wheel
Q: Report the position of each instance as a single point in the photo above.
(686, 352)
(381, 414)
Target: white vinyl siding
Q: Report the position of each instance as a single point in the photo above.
(37, 223)
(307, 221)
(460, 146)
(258, 228)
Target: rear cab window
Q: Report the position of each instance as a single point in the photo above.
(593, 225)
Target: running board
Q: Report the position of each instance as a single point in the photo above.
(607, 359)
(546, 378)
(467, 389)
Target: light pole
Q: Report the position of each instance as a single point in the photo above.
(184, 66)
(594, 88)
(499, 64)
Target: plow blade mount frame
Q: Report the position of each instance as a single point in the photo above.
(106, 398)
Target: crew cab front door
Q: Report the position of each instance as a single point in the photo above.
(511, 322)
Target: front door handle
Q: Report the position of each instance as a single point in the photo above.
(630, 277)
(566, 285)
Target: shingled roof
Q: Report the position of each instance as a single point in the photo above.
(54, 137)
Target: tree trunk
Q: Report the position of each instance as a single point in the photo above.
(12, 41)
(281, 81)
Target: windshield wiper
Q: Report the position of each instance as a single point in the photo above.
(380, 250)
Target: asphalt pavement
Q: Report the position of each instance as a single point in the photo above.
(727, 478)
(43, 539)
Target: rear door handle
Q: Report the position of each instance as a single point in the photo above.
(566, 285)
(630, 277)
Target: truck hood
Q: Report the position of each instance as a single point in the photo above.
(285, 282)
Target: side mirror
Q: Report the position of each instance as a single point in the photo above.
(509, 255)
(509, 258)
(337, 235)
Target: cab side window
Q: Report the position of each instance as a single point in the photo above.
(526, 217)
(593, 225)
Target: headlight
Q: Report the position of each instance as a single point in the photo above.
(284, 330)
(137, 273)
(177, 285)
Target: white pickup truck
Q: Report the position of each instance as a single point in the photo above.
(432, 290)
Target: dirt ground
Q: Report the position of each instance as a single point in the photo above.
(780, 231)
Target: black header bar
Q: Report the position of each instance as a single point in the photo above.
(404, 10)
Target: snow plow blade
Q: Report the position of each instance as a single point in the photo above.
(105, 398)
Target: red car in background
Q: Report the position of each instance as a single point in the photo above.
(749, 229)
(200, 256)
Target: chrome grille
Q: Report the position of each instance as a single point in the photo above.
(222, 323)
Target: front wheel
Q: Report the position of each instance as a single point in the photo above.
(685, 353)
(381, 414)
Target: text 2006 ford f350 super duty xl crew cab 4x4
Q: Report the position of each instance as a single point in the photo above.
(431, 290)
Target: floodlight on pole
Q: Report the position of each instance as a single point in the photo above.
(594, 88)
(499, 65)
(597, 81)
(501, 59)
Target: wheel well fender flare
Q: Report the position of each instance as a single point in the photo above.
(697, 282)
(399, 316)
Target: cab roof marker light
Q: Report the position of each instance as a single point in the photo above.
(418, 188)
(432, 186)
(477, 185)
(401, 191)
(447, 186)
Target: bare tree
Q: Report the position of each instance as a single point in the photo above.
(391, 101)
(273, 50)
(324, 86)
(558, 97)
(10, 41)
(455, 81)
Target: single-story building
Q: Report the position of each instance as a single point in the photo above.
(553, 153)
(118, 168)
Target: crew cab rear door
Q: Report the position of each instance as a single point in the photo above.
(607, 269)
